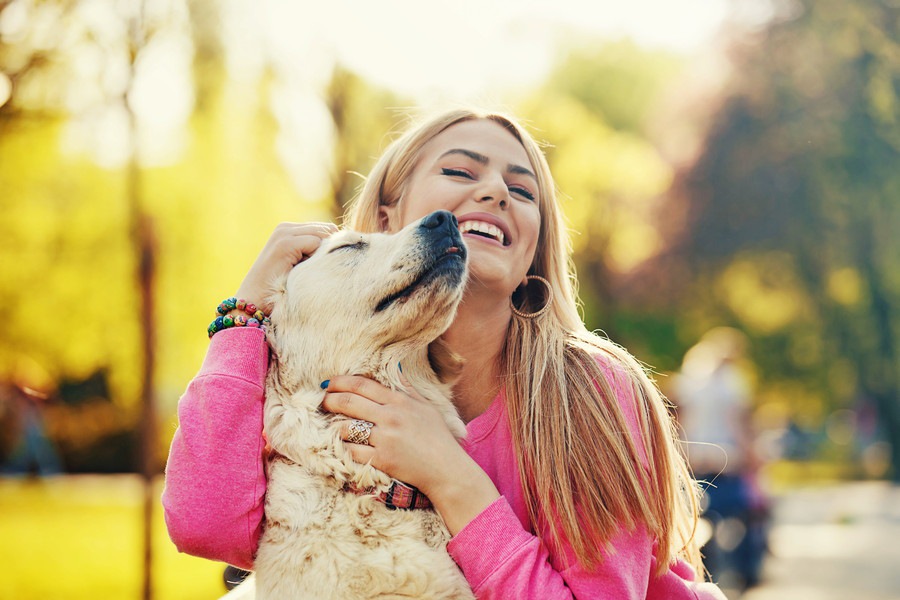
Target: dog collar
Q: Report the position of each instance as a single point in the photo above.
(399, 496)
(402, 495)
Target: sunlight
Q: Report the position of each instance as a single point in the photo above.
(5, 89)
(463, 51)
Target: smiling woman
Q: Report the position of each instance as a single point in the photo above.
(569, 469)
(474, 169)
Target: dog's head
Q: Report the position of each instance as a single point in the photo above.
(361, 295)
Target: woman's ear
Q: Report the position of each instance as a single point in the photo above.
(387, 215)
(383, 218)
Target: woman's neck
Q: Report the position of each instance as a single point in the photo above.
(477, 335)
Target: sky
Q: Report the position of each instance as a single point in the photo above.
(436, 53)
(455, 50)
(464, 51)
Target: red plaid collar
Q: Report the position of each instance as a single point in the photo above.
(402, 495)
(399, 495)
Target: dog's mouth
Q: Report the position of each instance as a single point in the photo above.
(444, 264)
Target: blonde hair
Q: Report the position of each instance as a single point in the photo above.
(581, 474)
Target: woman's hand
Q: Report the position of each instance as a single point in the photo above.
(411, 442)
(288, 245)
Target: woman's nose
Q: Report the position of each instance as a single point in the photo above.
(493, 189)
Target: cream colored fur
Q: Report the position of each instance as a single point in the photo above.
(320, 540)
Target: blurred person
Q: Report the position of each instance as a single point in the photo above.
(569, 483)
(31, 452)
(714, 396)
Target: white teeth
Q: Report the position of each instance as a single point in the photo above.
(482, 227)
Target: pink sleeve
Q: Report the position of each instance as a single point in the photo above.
(501, 559)
(215, 478)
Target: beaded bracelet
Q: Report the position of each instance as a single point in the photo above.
(255, 317)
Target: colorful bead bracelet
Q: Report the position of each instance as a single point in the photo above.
(255, 317)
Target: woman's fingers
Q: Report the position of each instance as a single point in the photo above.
(408, 436)
(341, 385)
(301, 240)
(360, 439)
(409, 389)
(351, 406)
(288, 245)
(360, 453)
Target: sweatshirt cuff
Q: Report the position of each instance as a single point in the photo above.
(488, 541)
(238, 352)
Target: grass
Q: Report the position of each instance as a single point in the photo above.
(78, 537)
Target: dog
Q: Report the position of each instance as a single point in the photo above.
(364, 304)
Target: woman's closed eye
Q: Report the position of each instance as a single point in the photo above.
(522, 191)
(456, 173)
(514, 189)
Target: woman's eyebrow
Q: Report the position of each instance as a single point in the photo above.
(482, 159)
(521, 171)
(479, 158)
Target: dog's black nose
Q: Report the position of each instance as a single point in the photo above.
(439, 218)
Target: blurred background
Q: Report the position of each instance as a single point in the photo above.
(730, 171)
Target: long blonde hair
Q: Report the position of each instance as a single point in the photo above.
(581, 472)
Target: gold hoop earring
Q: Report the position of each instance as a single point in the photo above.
(544, 308)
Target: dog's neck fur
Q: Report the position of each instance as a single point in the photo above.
(428, 369)
(383, 366)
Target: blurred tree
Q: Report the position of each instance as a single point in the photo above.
(596, 106)
(618, 82)
(362, 117)
(58, 252)
(212, 177)
(792, 209)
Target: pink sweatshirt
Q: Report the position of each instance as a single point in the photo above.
(215, 488)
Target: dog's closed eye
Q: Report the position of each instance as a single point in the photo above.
(358, 245)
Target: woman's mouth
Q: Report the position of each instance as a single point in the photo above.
(483, 229)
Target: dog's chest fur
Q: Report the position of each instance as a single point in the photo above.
(322, 540)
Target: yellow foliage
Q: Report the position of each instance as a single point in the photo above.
(634, 242)
(69, 256)
(610, 181)
(763, 292)
(845, 286)
(793, 400)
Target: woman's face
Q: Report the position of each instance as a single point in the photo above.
(478, 171)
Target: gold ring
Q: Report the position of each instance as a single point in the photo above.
(360, 431)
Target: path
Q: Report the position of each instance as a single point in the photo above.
(839, 542)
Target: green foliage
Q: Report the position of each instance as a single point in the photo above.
(795, 201)
(619, 83)
(610, 174)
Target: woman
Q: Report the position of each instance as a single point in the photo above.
(569, 483)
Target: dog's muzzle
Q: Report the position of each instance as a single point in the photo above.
(441, 230)
(444, 254)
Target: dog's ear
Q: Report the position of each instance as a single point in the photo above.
(446, 364)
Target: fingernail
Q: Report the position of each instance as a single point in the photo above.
(324, 384)
(399, 366)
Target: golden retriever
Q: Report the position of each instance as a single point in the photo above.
(362, 304)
